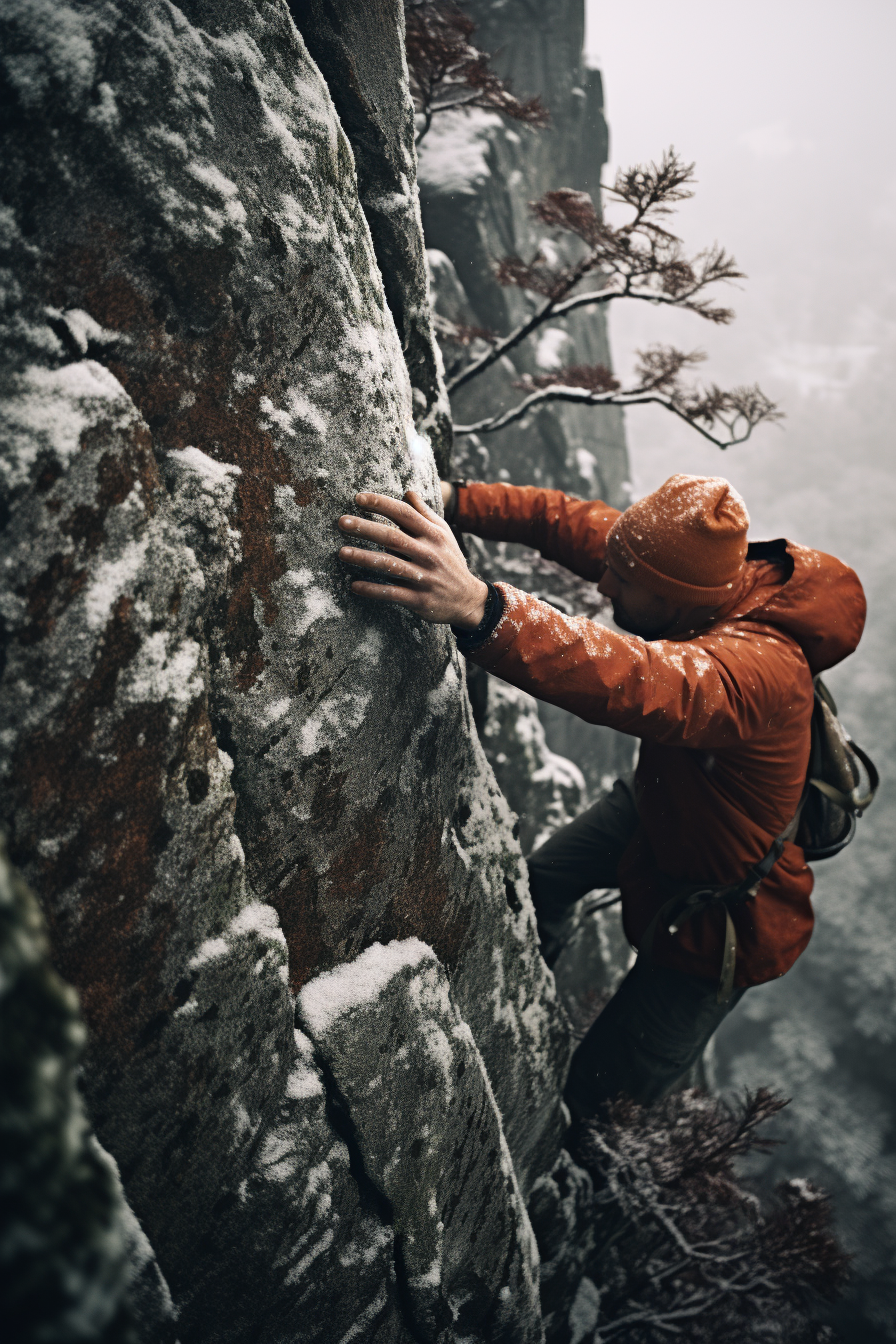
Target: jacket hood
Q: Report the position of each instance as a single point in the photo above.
(819, 602)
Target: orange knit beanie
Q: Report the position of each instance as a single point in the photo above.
(687, 541)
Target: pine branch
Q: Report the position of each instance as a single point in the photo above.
(447, 72)
(639, 259)
(682, 1250)
(501, 347)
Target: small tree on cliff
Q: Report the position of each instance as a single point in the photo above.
(683, 1249)
(447, 72)
(589, 263)
(639, 259)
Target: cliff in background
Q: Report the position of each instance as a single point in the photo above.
(478, 174)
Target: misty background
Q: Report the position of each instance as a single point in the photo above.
(787, 110)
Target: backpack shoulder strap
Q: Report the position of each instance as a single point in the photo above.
(691, 900)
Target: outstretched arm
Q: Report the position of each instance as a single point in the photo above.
(682, 692)
(571, 531)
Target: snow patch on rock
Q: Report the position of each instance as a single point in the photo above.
(47, 410)
(162, 673)
(360, 981)
(454, 155)
(114, 578)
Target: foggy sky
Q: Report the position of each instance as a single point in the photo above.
(788, 110)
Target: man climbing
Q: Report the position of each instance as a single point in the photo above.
(711, 668)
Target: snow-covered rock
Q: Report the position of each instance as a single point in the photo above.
(366, 72)
(222, 773)
(417, 1095)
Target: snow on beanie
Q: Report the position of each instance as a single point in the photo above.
(687, 541)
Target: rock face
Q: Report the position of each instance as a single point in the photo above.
(224, 776)
(402, 1060)
(478, 174)
(354, 47)
(545, 790)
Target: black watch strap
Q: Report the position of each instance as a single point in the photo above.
(470, 640)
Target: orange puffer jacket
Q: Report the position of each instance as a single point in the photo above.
(723, 716)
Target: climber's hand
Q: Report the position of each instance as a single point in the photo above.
(422, 554)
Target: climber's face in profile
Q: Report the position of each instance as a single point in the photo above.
(640, 612)
(635, 608)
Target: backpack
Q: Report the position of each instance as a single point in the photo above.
(841, 783)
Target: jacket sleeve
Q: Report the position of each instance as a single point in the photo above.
(709, 692)
(571, 531)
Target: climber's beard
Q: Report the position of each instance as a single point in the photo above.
(647, 627)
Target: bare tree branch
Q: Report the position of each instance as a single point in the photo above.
(737, 411)
(459, 333)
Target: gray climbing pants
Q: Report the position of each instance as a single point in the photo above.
(659, 1021)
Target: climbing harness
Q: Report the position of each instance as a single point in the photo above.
(840, 785)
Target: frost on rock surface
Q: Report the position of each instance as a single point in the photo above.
(365, 69)
(408, 1072)
(223, 774)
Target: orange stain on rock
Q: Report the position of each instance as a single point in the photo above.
(178, 367)
(98, 791)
